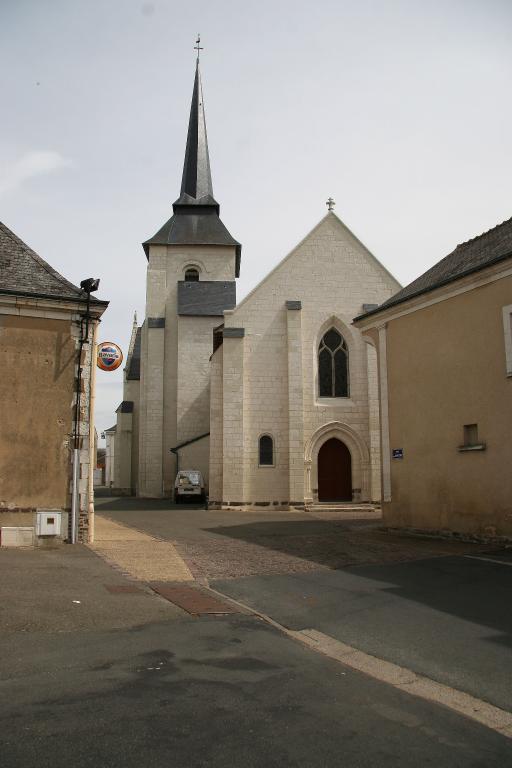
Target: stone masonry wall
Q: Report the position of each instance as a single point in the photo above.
(216, 428)
(174, 375)
(333, 275)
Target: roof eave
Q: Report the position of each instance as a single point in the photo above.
(424, 291)
(51, 297)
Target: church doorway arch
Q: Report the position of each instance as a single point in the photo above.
(334, 471)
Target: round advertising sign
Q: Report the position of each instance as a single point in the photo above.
(109, 356)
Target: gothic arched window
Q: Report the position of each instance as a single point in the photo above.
(333, 365)
(266, 451)
(191, 274)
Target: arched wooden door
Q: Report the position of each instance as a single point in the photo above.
(334, 471)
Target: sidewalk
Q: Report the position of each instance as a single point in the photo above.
(69, 590)
(137, 554)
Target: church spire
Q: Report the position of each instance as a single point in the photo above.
(195, 219)
(196, 182)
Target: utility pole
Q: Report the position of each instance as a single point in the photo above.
(88, 286)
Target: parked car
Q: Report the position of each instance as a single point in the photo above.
(189, 485)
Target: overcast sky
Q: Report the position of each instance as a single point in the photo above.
(400, 110)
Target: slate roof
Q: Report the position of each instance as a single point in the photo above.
(126, 406)
(196, 212)
(478, 253)
(194, 225)
(206, 297)
(23, 272)
(133, 372)
(197, 178)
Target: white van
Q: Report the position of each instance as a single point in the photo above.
(189, 485)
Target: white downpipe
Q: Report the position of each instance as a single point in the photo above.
(90, 479)
(74, 495)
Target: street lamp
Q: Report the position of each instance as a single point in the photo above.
(88, 286)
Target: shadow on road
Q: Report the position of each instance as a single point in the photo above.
(105, 503)
(339, 543)
(477, 591)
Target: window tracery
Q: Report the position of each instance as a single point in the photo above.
(333, 378)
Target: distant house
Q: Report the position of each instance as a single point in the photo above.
(122, 438)
(41, 317)
(99, 471)
(444, 348)
(110, 441)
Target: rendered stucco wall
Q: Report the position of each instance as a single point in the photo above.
(38, 360)
(374, 422)
(447, 368)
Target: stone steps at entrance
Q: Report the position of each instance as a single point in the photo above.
(346, 511)
(346, 506)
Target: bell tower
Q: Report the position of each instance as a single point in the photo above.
(192, 265)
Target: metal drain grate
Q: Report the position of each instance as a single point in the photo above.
(192, 600)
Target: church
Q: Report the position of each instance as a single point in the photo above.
(275, 399)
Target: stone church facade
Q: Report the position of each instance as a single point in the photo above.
(275, 399)
(294, 401)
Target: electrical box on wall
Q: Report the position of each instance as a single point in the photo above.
(48, 522)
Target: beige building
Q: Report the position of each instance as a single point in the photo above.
(444, 345)
(110, 446)
(41, 316)
(274, 400)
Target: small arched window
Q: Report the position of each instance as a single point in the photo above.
(191, 274)
(333, 365)
(266, 451)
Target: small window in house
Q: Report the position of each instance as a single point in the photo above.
(470, 434)
(471, 439)
(191, 274)
(266, 451)
(333, 365)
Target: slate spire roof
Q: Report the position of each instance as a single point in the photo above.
(471, 256)
(195, 219)
(196, 182)
(24, 273)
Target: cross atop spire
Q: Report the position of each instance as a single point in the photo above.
(330, 203)
(197, 46)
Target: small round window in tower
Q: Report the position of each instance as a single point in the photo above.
(191, 275)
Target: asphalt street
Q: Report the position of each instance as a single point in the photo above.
(446, 618)
(98, 670)
(225, 691)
